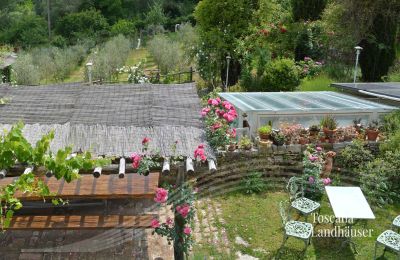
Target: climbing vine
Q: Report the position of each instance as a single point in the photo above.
(15, 149)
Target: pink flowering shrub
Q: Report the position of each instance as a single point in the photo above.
(143, 162)
(219, 116)
(309, 68)
(177, 230)
(313, 164)
(199, 153)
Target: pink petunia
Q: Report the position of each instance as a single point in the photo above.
(145, 140)
(155, 223)
(187, 230)
(183, 210)
(161, 195)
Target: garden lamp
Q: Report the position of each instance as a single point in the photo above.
(358, 51)
(228, 60)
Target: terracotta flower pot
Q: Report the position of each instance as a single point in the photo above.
(263, 136)
(329, 133)
(231, 147)
(372, 135)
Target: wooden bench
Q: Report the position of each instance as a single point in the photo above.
(79, 222)
(106, 187)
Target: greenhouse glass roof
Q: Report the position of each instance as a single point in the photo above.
(301, 102)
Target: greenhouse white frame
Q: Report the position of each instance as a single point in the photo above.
(305, 108)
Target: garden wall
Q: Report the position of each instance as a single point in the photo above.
(276, 163)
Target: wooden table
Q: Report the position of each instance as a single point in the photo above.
(349, 203)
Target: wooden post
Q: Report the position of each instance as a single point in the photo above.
(191, 74)
(179, 221)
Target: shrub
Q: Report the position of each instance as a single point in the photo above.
(167, 54)
(125, 27)
(376, 182)
(253, 183)
(108, 59)
(24, 71)
(307, 9)
(83, 25)
(354, 156)
(281, 75)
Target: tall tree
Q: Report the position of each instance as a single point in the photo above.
(308, 9)
(221, 23)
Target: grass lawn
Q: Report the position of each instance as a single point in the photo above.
(320, 83)
(256, 219)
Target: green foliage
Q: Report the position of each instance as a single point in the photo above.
(220, 24)
(108, 59)
(281, 75)
(308, 42)
(354, 155)
(167, 54)
(265, 129)
(379, 49)
(375, 182)
(14, 148)
(24, 71)
(307, 9)
(155, 16)
(83, 25)
(253, 183)
(329, 122)
(26, 31)
(245, 142)
(391, 126)
(125, 27)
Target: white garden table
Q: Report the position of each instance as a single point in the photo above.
(349, 203)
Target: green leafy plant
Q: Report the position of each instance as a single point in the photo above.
(245, 143)
(329, 122)
(281, 75)
(253, 183)
(15, 149)
(278, 138)
(265, 130)
(354, 155)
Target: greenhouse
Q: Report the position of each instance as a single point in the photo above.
(305, 108)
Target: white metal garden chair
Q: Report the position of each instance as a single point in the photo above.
(296, 229)
(396, 223)
(296, 195)
(390, 240)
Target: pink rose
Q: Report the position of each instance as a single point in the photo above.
(228, 117)
(136, 158)
(326, 181)
(215, 102)
(216, 126)
(227, 105)
(145, 140)
(187, 230)
(201, 146)
(183, 210)
(205, 111)
(161, 195)
(203, 158)
(155, 223)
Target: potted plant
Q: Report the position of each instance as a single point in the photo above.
(372, 131)
(232, 147)
(358, 125)
(303, 137)
(264, 132)
(245, 143)
(329, 125)
(314, 130)
(278, 138)
(349, 133)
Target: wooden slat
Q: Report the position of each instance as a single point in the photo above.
(105, 187)
(80, 222)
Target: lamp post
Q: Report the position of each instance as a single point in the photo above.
(358, 51)
(228, 60)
